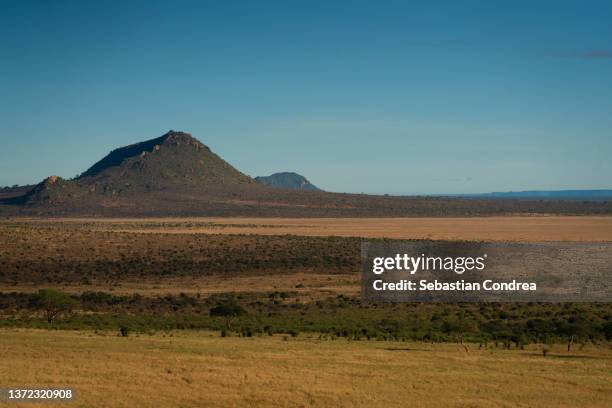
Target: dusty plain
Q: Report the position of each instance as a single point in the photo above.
(507, 228)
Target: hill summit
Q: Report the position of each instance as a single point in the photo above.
(173, 159)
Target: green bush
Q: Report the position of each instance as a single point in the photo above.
(124, 331)
(54, 303)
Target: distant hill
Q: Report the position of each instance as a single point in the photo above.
(289, 180)
(546, 195)
(177, 175)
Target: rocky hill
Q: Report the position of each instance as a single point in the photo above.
(288, 180)
(174, 159)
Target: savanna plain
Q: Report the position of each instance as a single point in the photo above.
(267, 311)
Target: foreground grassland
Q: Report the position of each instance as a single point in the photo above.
(201, 369)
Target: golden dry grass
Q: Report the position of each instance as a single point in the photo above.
(193, 369)
(508, 228)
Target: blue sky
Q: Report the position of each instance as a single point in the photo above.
(358, 96)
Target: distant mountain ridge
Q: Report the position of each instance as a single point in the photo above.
(177, 175)
(543, 194)
(289, 180)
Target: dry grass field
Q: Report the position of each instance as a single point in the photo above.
(506, 228)
(190, 369)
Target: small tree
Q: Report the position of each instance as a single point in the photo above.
(577, 328)
(54, 303)
(124, 330)
(228, 309)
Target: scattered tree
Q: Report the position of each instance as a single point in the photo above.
(577, 328)
(54, 303)
(229, 310)
(124, 331)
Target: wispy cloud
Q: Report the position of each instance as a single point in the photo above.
(588, 54)
(594, 54)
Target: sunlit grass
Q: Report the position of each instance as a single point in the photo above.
(201, 369)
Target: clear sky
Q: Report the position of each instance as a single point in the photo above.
(358, 96)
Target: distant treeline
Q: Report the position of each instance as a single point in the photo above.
(337, 316)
